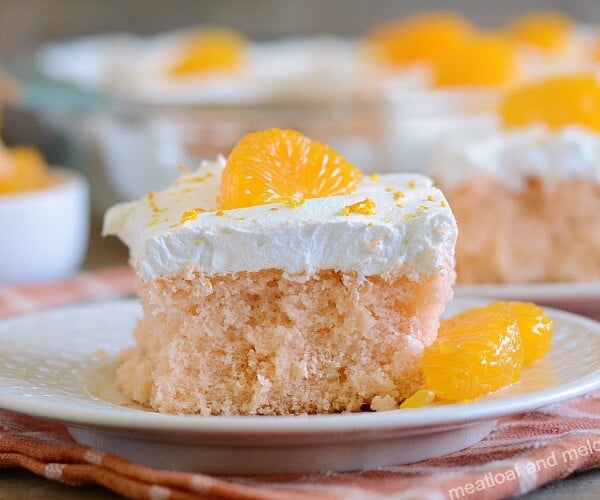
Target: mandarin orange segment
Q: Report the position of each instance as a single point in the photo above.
(477, 352)
(548, 30)
(485, 60)
(419, 399)
(278, 165)
(420, 38)
(209, 50)
(534, 325)
(22, 169)
(555, 102)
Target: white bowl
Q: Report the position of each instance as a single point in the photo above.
(44, 233)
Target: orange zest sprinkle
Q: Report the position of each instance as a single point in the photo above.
(364, 207)
(293, 203)
(189, 215)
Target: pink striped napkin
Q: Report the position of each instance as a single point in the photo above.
(105, 283)
(525, 452)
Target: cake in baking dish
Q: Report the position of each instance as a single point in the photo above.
(282, 281)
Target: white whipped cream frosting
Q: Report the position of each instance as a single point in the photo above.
(416, 231)
(513, 157)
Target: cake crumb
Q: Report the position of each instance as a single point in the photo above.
(384, 403)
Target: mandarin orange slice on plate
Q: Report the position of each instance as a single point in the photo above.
(555, 102)
(476, 352)
(278, 165)
(216, 49)
(534, 325)
(420, 38)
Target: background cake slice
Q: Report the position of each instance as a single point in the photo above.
(527, 197)
(306, 305)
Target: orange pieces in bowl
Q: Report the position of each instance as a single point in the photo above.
(216, 49)
(420, 38)
(278, 165)
(547, 30)
(482, 350)
(484, 60)
(556, 102)
(22, 169)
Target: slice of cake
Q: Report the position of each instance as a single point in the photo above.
(527, 197)
(283, 282)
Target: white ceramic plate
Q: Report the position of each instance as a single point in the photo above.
(580, 297)
(59, 365)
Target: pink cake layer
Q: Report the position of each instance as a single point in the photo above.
(545, 232)
(258, 343)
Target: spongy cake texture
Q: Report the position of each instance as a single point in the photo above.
(542, 233)
(260, 343)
